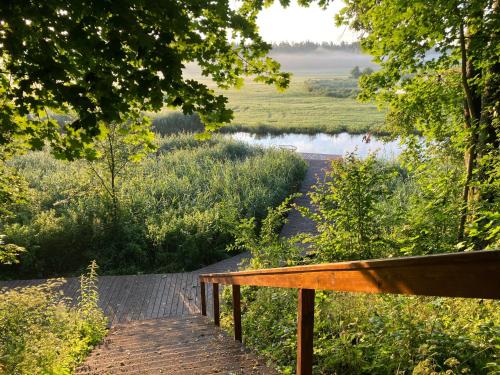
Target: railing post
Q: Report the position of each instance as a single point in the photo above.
(203, 299)
(237, 312)
(215, 291)
(305, 329)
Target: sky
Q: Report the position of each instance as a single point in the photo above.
(296, 24)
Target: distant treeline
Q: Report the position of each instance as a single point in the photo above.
(302, 47)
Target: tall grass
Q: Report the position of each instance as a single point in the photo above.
(170, 122)
(178, 209)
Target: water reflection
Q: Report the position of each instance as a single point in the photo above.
(338, 144)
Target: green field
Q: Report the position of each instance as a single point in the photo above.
(260, 108)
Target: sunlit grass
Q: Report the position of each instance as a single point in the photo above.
(259, 108)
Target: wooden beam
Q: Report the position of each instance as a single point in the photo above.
(237, 312)
(466, 274)
(215, 292)
(305, 331)
(203, 299)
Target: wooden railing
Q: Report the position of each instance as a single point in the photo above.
(470, 275)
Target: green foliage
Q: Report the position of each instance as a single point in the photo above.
(423, 211)
(440, 76)
(177, 209)
(12, 193)
(9, 252)
(267, 248)
(170, 122)
(355, 72)
(335, 88)
(485, 229)
(108, 63)
(367, 71)
(346, 210)
(366, 209)
(41, 333)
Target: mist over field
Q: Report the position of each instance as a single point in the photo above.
(322, 61)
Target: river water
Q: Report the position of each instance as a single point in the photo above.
(338, 144)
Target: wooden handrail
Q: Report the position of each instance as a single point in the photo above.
(470, 275)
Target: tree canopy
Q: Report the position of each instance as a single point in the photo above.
(440, 77)
(107, 61)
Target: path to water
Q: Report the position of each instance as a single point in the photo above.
(140, 297)
(155, 319)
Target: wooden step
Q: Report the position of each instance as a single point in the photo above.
(185, 345)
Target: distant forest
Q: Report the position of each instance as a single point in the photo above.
(308, 46)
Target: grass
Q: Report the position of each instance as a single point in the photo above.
(177, 209)
(259, 108)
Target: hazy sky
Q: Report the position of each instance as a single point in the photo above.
(300, 24)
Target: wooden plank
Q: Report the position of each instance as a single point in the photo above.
(305, 330)
(196, 283)
(189, 308)
(110, 304)
(215, 292)
(177, 303)
(167, 295)
(162, 292)
(124, 292)
(152, 300)
(472, 274)
(150, 283)
(140, 293)
(237, 312)
(182, 300)
(131, 302)
(203, 299)
(172, 295)
(104, 285)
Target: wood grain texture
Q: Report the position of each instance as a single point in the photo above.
(472, 274)
(305, 331)
(237, 312)
(203, 299)
(215, 292)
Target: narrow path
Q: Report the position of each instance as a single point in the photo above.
(154, 296)
(156, 325)
(318, 165)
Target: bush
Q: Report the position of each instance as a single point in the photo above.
(175, 122)
(334, 88)
(367, 334)
(347, 212)
(41, 333)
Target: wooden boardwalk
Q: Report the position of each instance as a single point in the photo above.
(318, 164)
(154, 296)
(156, 327)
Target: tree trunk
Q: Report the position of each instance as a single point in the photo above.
(472, 110)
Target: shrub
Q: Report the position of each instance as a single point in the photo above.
(334, 88)
(175, 122)
(347, 211)
(41, 333)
